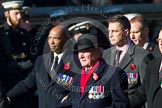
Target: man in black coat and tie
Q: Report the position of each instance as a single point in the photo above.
(51, 80)
(151, 88)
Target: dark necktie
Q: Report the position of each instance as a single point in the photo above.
(56, 61)
(117, 57)
(53, 73)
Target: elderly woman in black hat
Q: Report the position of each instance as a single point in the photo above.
(99, 85)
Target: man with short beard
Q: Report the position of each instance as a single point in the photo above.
(15, 43)
(15, 60)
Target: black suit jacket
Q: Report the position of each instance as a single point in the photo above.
(113, 79)
(150, 89)
(13, 42)
(49, 92)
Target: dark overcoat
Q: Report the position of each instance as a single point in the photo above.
(50, 92)
(150, 89)
(114, 81)
(13, 42)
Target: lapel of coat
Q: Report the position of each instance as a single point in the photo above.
(150, 46)
(64, 59)
(155, 78)
(47, 65)
(91, 81)
(127, 57)
(60, 66)
(112, 58)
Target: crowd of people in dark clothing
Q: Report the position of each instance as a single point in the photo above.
(81, 64)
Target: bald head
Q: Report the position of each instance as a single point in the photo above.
(57, 37)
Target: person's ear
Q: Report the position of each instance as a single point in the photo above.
(126, 32)
(123, 33)
(6, 13)
(146, 30)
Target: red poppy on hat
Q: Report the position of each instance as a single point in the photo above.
(67, 66)
(95, 76)
(133, 67)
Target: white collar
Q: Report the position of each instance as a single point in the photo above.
(59, 56)
(145, 45)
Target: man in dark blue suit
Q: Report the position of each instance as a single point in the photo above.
(99, 85)
(53, 72)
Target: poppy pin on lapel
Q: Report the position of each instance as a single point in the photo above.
(67, 66)
(150, 49)
(95, 76)
(133, 67)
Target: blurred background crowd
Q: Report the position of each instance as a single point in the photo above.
(41, 3)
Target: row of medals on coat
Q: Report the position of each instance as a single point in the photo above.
(96, 92)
